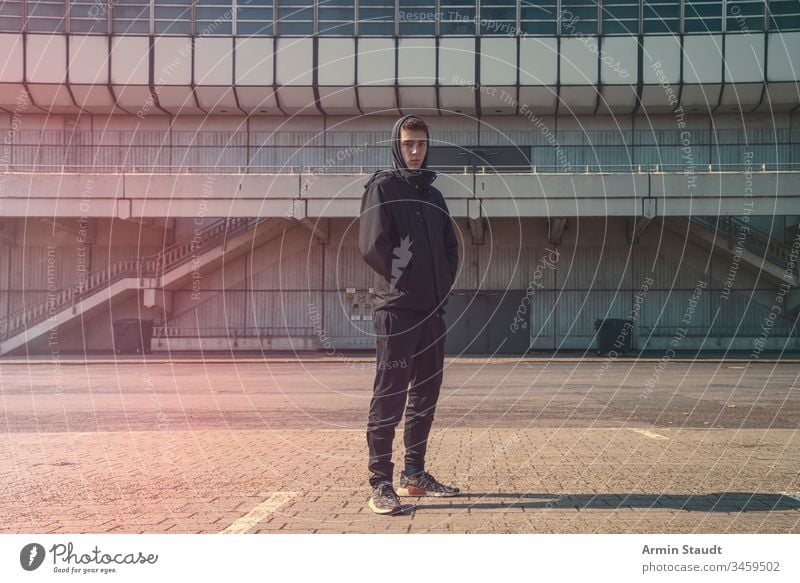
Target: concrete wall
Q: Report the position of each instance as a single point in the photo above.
(295, 281)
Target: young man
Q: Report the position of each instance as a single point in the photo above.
(407, 237)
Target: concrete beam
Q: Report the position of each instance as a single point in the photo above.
(555, 229)
(331, 196)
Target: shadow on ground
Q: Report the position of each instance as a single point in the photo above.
(714, 502)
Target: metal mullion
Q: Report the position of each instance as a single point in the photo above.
(682, 23)
(558, 18)
(640, 18)
(599, 17)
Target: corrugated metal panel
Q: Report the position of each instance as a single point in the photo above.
(363, 139)
(494, 137)
(578, 310)
(276, 309)
(354, 156)
(594, 266)
(300, 269)
(337, 318)
(18, 300)
(543, 315)
(37, 268)
(344, 267)
(758, 154)
(668, 309)
(598, 155)
(652, 155)
(210, 310)
(147, 156)
(283, 158)
(545, 156)
(201, 137)
(453, 137)
(211, 158)
(593, 138)
(739, 310)
(469, 261)
(286, 137)
(514, 267)
(228, 276)
(666, 264)
(287, 263)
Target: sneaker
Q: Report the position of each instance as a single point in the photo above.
(424, 485)
(384, 499)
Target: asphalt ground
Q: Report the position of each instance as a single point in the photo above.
(277, 445)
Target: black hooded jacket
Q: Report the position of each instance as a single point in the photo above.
(406, 236)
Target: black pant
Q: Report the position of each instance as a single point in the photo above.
(410, 347)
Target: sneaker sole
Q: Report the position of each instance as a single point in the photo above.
(420, 492)
(376, 510)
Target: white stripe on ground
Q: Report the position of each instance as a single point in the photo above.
(647, 433)
(259, 513)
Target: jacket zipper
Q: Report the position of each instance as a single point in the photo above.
(430, 246)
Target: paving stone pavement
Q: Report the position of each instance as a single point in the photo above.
(514, 480)
(536, 447)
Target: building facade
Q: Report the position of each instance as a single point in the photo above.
(200, 164)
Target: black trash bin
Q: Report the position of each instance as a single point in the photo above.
(613, 334)
(132, 335)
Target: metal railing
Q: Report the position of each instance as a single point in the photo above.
(231, 332)
(642, 332)
(138, 267)
(736, 231)
(368, 169)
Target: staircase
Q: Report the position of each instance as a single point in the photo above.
(757, 249)
(170, 267)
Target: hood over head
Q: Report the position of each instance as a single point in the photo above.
(420, 178)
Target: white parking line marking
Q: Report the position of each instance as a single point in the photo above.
(259, 513)
(794, 495)
(647, 433)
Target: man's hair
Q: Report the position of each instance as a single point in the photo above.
(415, 123)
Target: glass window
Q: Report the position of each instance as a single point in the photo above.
(457, 17)
(578, 17)
(173, 16)
(417, 17)
(498, 18)
(87, 16)
(336, 17)
(46, 15)
(254, 17)
(538, 17)
(11, 16)
(702, 16)
(621, 17)
(661, 16)
(130, 16)
(745, 15)
(213, 17)
(784, 15)
(376, 17)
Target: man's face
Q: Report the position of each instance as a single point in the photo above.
(414, 145)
